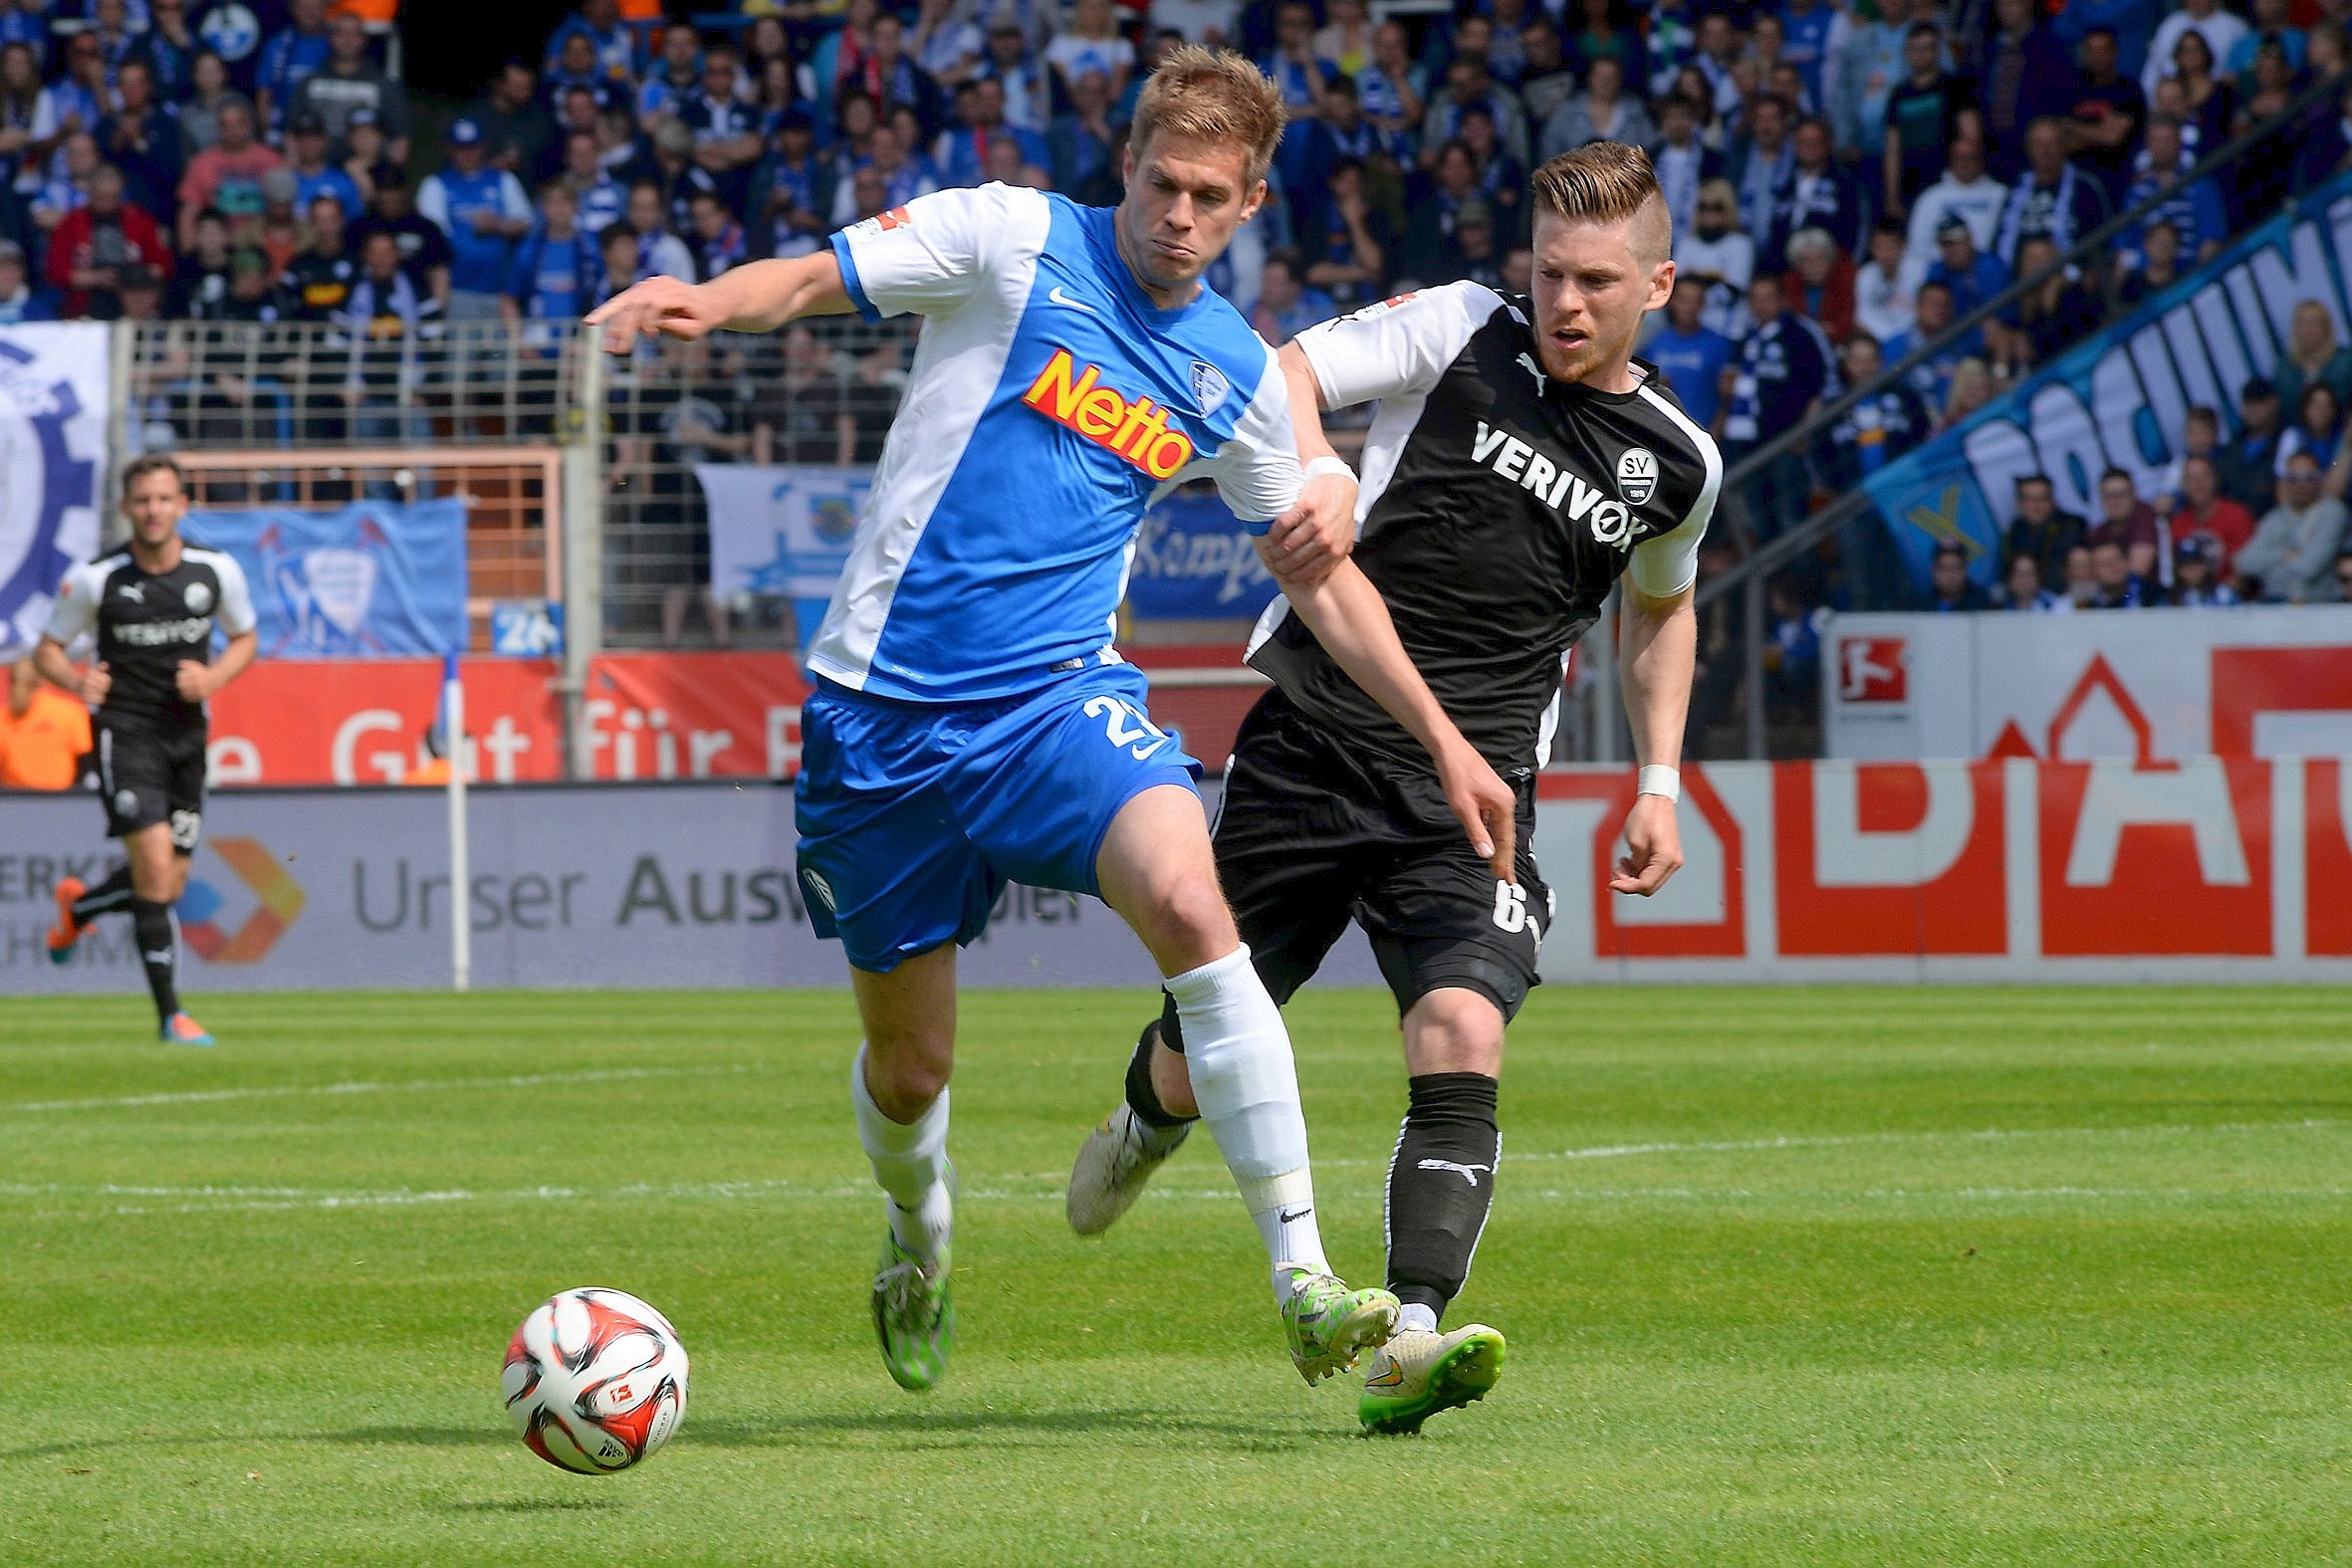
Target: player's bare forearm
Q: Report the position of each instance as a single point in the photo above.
(758, 297)
(1658, 652)
(235, 659)
(1346, 615)
(1314, 536)
(49, 660)
(1307, 403)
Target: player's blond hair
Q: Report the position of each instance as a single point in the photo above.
(1607, 182)
(1212, 96)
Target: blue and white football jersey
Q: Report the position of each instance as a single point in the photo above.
(1050, 401)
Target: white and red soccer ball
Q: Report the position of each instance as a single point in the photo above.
(596, 1380)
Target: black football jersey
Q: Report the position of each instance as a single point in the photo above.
(1497, 508)
(146, 624)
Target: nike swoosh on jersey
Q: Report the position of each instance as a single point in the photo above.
(1056, 295)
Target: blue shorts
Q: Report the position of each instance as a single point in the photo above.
(914, 815)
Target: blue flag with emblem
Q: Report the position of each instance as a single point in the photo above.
(372, 579)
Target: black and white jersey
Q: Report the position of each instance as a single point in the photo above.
(146, 624)
(1497, 508)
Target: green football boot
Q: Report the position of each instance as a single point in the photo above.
(1331, 1325)
(914, 1316)
(1421, 1372)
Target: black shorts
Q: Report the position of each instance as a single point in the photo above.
(151, 774)
(1313, 833)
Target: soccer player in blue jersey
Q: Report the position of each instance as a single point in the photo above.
(973, 722)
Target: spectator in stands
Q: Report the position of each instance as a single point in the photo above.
(1683, 162)
(292, 55)
(660, 252)
(2023, 74)
(1502, 180)
(1760, 166)
(1545, 85)
(2196, 578)
(1431, 221)
(20, 302)
(44, 732)
(945, 45)
(725, 128)
(305, 156)
(1091, 42)
(66, 189)
(715, 238)
(1603, 112)
(518, 133)
(1924, 115)
(2208, 105)
(2343, 582)
(2216, 28)
(622, 265)
(254, 295)
(2127, 521)
(1006, 166)
(597, 196)
(382, 320)
(2051, 200)
(1951, 590)
(77, 99)
(1352, 264)
(2046, 321)
(1974, 277)
(2314, 357)
(1689, 355)
(961, 155)
(139, 140)
(2192, 207)
(1886, 301)
(1476, 254)
(2292, 556)
(1286, 303)
(279, 232)
(1820, 194)
(792, 194)
(1604, 30)
(347, 83)
(901, 178)
(2318, 429)
(1715, 254)
(1966, 193)
(319, 280)
(2108, 110)
(1868, 71)
(1027, 83)
(2040, 530)
(1932, 378)
(423, 250)
(1394, 88)
(2201, 436)
(557, 271)
(2271, 29)
(169, 48)
(669, 79)
(1820, 283)
(1468, 83)
(1970, 389)
(199, 112)
(1082, 147)
(2077, 580)
(2155, 268)
(2022, 587)
(1778, 377)
(2116, 584)
(599, 21)
(89, 248)
(481, 212)
(1875, 431)
(2249, 462)
(226, 175)
(201, 277)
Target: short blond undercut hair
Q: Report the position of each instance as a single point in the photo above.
(1213, 96)
(1608, 182)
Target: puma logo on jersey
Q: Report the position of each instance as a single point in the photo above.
(1611, 521)
(1468, 1172)
(133, 592)
(1135, 431)
(1528, 364)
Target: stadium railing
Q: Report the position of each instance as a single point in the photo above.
(1750, 577)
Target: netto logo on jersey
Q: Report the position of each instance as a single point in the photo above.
(1136, 432)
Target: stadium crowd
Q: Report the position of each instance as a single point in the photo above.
(1847, 178)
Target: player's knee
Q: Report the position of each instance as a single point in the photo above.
(906, 1076)
(1188, 921)
(1454, 1029)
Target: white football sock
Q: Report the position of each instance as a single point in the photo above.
(1414, 1315)
(910, 1161)
(1248, 1089)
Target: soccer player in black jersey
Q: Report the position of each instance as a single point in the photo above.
(1522, 463)
(153, 606)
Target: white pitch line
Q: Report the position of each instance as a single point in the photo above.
(527, 1080)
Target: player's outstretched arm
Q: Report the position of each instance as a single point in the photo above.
(1346, 615)
(1658, 650)
(758, 297)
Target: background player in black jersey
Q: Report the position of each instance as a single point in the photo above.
(153, 606)
(1520, 463)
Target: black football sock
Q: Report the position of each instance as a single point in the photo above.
(1440, 1183)
(1142, 1098)
(104, 898)
(158, 949)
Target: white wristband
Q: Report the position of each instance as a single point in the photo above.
(1658, 778)
(1328, 464)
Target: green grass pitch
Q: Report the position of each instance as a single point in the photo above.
(1803, 1276)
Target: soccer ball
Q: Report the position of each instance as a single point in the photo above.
(596, 1380)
